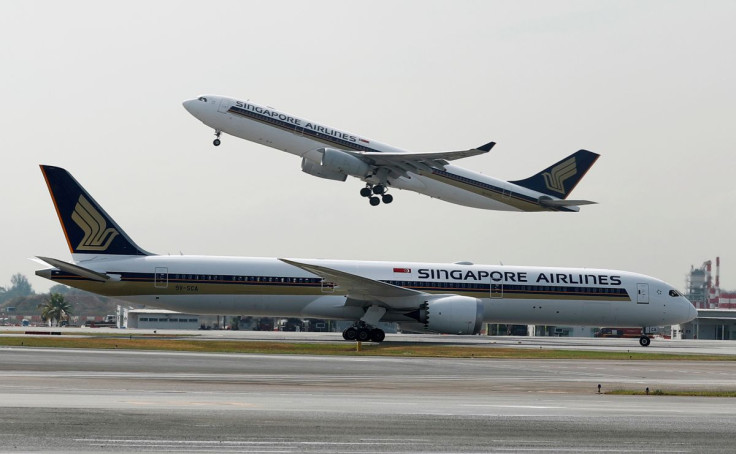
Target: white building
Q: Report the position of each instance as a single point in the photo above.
(158, 319)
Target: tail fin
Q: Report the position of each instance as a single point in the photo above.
(87, 227)
(559, 179)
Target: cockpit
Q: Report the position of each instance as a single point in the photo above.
(674, 293)
(202, 98)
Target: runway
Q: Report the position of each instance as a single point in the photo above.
(125, 401)
(658, 345)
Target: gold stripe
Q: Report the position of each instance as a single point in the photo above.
(508, 200)
(147, 288)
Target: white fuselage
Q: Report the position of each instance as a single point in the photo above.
(275, 129)
(270, 287)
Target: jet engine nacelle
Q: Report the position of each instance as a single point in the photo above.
(453, 315)
(340, 161)
(321, 171)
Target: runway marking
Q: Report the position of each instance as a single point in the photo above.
(533, 407)
(187, 404)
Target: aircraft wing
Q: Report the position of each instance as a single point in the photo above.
(400, 163)
(355, 286)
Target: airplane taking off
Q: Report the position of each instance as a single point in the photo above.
(444, 298)
(333, 154)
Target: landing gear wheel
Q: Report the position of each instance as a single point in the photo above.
(644, 341)
(216, 142)
(363, 335)
(377, 335)
(350, 333)
(387, 198)
(375, 201)
(366, 192)
(379, 189)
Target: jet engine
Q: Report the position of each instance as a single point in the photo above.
(452, 315)
(344, 162)
(321, 171)
(330, 163)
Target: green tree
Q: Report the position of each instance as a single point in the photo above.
(56, 308)
(20, 285)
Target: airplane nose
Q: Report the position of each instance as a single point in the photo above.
(189, 105)
(693, 313)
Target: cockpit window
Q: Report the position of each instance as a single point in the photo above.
(202, 98)
(675, 293)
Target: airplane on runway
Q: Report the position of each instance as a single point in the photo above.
(329, 153)
(436, 297)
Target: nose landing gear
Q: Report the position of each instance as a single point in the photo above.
(217, 142)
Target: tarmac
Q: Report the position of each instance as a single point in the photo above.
(58, 400)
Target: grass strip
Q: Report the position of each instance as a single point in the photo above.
(683, 392)
(340, 348)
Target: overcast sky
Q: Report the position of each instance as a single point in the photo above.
(96, 87)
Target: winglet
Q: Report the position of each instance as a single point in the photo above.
(487, 147)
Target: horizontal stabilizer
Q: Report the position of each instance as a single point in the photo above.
(76, 269)
(552, 203)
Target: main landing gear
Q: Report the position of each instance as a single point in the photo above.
(644, 341)
(373, 191)
(363, 333)
(217, 142)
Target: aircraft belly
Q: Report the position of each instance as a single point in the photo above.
(253, 305)
(452, 194)
(551, 312)
(332, 307)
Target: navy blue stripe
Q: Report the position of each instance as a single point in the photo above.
(465, 287)
(290, 127)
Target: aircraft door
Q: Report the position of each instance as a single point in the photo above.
(224, 106)
(496, 290)
(642, 293)
(161, 277)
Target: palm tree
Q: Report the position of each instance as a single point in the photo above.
(56, 308)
